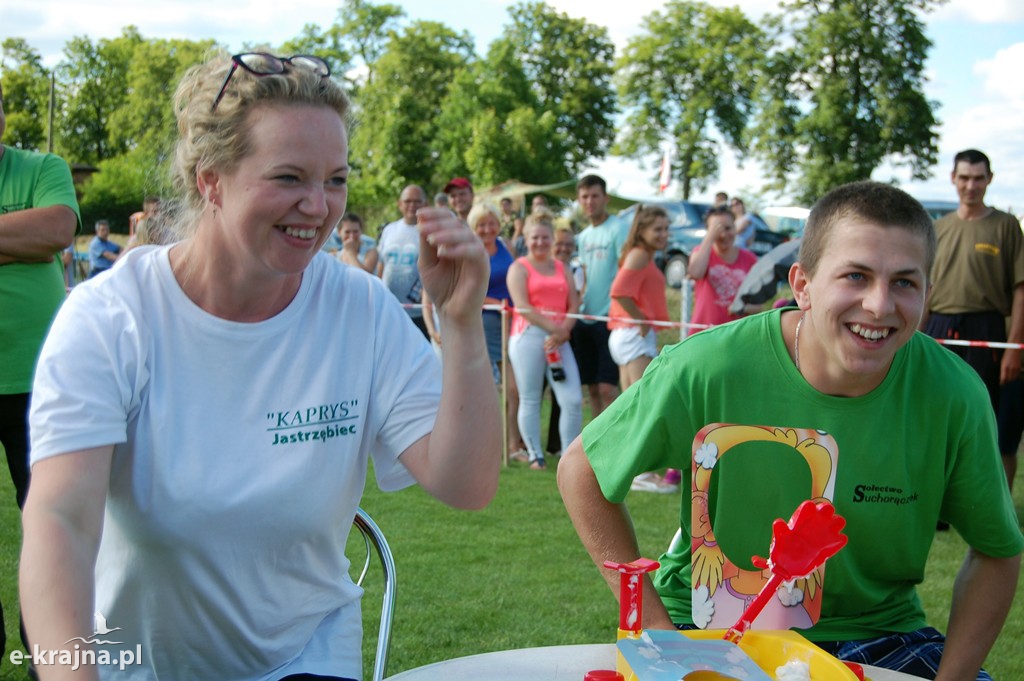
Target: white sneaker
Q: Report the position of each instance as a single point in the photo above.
(652, 482)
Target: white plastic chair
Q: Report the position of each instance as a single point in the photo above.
(372, 535)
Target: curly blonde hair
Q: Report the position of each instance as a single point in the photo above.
(219, 137)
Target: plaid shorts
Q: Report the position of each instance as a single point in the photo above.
(916, 652)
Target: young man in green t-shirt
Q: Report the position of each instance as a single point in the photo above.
(839, 399)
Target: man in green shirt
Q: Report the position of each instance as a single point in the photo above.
(38, 219)
(978, 293)
(841, 399)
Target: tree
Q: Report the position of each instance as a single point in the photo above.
(144, 118)
(93, 81)
(324, 44)
(144, 126)
(492, 127)
(536, 108)
(392, 137)
(366, 28)
(26, 95)
(845, 94)
(692, 72)
(568, 64)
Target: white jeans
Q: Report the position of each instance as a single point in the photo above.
(529, 364)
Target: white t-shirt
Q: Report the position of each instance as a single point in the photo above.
(241, 453)
(399, 249)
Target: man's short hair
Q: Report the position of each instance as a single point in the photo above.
(588, 181)
(875, 203)
(972, 156)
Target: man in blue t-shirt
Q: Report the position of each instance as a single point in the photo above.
(102, 251)
(599, 246)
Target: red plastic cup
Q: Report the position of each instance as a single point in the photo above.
(603, 675)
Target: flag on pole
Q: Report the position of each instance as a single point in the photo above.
(666, 173)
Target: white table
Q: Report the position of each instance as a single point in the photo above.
(551, 663)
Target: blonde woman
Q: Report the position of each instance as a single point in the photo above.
(484, 220)
(543, 292)
(197, 484)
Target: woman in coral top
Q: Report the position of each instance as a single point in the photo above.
(638, 294)
(718, 266)
(543, 292)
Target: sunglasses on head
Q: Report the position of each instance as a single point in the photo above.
(263, 64)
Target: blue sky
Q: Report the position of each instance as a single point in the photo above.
(975, 68)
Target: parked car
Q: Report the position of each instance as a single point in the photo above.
(936, 209)
(686, 231)
(789, 220)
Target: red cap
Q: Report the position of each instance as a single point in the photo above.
(603, 675)
(458, 183)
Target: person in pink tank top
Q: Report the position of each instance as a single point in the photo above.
(543, 292)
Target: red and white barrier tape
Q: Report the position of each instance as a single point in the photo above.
(687, 325)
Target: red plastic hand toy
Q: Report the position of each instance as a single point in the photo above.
(812, 535)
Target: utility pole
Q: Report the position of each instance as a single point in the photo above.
(49, 128)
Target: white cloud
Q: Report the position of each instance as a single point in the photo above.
(621, 25)
(983, 11)
(1002, 75)
(51, 23)
(994, 128)
(991, 124)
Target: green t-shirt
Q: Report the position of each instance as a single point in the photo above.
(977, 264)
(919, 447)
(29, 293)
